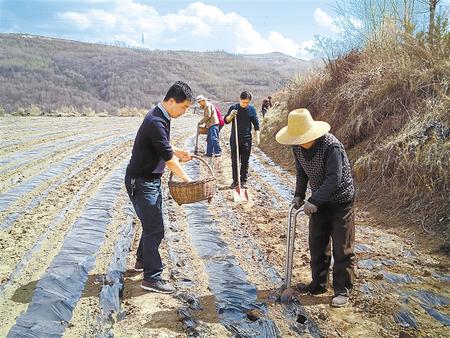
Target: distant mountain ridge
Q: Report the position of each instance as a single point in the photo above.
(52, 73)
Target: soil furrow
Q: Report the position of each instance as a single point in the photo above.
(16, 174)
(18, 294)
(225, 259)
(9, 198)
(59, 289)
(97, 300)
(31, 202)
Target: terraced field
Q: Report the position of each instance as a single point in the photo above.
(68, 237)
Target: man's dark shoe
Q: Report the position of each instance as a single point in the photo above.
(316, 289)
(217, 155)
(233, 185)
(339, 301)
(159, 286)
(138, 267)
(244, 185)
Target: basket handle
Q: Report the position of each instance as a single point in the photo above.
(201, 160)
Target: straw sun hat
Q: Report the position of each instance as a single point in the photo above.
(301, 128)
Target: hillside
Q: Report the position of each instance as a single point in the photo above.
(390, 108)
(53, 73)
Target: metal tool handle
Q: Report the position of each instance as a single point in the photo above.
(290, 242)
(238, 165)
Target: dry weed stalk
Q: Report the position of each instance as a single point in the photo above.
(390, 106)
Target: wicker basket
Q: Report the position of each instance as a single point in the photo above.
(202, 130)
(191, 192)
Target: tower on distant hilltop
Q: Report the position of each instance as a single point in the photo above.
(142, 40)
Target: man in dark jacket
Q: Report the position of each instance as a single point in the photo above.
(246, 117)
(152, 152)
(321, 160)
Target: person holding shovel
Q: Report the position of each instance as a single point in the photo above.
(211, 121)
(246, 117)
(151, 153)
(322, 161)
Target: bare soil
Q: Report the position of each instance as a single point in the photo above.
(402, 282)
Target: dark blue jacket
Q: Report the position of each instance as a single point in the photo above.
(245, 118)
(151, 147)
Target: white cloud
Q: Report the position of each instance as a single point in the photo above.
(289, 46)
(79, 20)
(199, 26)
(324, 20)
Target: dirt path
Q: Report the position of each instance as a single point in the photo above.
(226, 259)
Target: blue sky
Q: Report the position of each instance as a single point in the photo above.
(235, 26)
(251, 26)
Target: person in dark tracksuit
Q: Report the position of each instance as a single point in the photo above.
(151, 153)
(322, 162)
(246, 117)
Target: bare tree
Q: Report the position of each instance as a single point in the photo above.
(431, 25)
(366, 23)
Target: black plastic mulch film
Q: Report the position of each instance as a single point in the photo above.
(20, 158)
(235, 296)
(56, 221)
(11, 196)
(113, 285)
(87, 156)
(271, 179)
(61, 286)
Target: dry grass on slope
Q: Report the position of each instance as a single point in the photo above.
(391, 109)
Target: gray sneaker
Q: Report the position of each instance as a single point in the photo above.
(339, 301)
(159, 286)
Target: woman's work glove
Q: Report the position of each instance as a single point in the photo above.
(257, 138)
(232, 115)
(297, 202)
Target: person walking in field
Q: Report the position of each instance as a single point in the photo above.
(151, 153)
(266, 104)
(322, 162)
(211, 121)
(246, 117)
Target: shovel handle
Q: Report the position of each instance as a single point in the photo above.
(236, 139)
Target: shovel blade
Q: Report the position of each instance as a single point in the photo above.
(240, 195)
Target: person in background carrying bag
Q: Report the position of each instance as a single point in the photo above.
(212, 122)
(220, 117)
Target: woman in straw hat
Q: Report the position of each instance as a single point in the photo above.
(321, 160)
